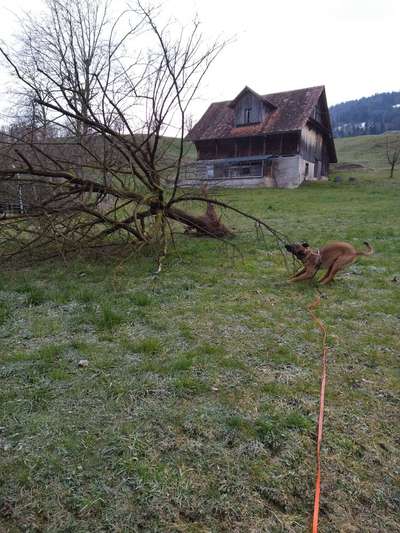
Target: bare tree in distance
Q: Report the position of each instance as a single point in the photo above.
(392, 154)
(112, 87)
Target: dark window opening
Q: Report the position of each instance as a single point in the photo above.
(306, 170)
(253, 169)
(245, 169)
(247, 115)
(318, 114)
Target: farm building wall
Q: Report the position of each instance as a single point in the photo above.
(283, 160)
(281, 172)
(278, 144)
(286, 172)
(313, 150)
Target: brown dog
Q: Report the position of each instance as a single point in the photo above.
(334, 256)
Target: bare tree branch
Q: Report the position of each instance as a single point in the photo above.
(87, 160)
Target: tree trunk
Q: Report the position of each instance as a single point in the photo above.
(208, 224)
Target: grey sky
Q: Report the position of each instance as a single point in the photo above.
(350, 46)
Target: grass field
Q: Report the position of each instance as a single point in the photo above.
(369, 151)
(197, 410)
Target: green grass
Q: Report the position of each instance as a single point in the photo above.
(34, 295)
(369, 151)
(108, 318)
(197, 410)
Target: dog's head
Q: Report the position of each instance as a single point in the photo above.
(301, 251)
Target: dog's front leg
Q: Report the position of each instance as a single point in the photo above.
(308, 274)
(302, 271)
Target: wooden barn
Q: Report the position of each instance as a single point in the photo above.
(275, 140)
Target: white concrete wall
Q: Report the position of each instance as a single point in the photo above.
(238, 183)
(286, 172)
(310, 176)
(302, 170)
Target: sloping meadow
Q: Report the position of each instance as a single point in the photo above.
(195, 406)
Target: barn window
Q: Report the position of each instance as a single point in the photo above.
(249, 169)
(306, 170)
(318, 114)
(247, 115)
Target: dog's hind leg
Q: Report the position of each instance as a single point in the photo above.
(339, 264)
(327, 274)
(332, 271)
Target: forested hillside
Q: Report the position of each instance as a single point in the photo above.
(367, 116)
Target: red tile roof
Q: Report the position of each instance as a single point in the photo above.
(293, 109)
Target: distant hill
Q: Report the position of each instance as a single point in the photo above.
(364, 156)
(367, 116)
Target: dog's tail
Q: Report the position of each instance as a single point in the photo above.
(369, 251)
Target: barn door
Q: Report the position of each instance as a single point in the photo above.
(317, 169)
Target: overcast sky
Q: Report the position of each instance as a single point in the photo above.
(350, 46)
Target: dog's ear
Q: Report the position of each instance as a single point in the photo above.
(305, 244)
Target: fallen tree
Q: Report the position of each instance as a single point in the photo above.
(100, 143)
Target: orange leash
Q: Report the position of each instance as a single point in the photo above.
(320, 424)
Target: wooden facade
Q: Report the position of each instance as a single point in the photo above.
(278, 144)
(276, 140)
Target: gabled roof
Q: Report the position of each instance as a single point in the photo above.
(292, 111)
(249, 90)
